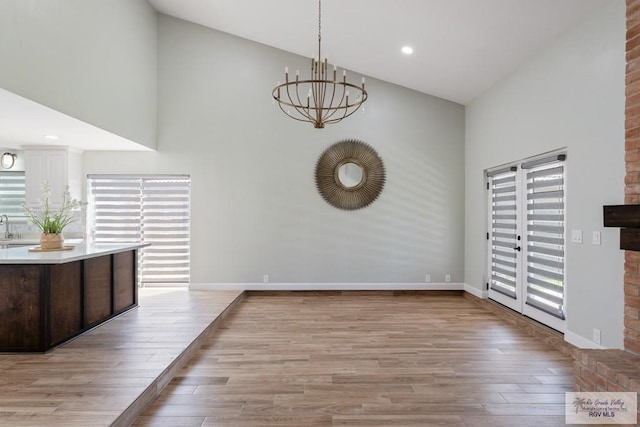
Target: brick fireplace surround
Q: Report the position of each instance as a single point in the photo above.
(619, 370)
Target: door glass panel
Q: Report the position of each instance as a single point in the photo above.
(504, 234)
(545, 238)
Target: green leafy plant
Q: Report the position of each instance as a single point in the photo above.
(49, 220)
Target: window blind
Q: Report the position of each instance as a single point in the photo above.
(503, 232)
(545, 238)
(12, 193)
(165, 224)
(151, 209)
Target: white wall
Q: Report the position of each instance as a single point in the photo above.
(255, 208)
(94, 60)
(570, 95)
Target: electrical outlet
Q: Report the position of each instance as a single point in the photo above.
(427, 278)
(596, 336)
(265, 278)
(447, 278)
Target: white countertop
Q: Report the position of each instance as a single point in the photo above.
(22, 255)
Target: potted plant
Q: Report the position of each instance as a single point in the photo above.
(50, 221)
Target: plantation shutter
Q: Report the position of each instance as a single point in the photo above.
(502, 185)
(12, 193)
(545, 235)
(149, 209)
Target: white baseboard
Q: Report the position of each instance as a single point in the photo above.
(475, 291)
(327, 286)
(580, 341)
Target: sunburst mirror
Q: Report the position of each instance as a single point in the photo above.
(350, 175)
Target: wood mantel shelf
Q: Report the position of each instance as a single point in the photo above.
(627, 217)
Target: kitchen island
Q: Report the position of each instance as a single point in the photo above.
(47, 298)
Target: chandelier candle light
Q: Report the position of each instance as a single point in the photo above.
(327, 98)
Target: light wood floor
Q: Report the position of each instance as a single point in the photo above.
(108, 375)
(366, 359)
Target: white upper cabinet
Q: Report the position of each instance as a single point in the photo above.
(57, 166)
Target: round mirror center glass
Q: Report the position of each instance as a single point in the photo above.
(350, 175)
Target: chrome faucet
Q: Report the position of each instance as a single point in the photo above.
(5, 220)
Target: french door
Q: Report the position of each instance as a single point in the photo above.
(526, 238)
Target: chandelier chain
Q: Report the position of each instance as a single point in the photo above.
(319, 20)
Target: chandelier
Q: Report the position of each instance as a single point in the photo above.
(322, 99)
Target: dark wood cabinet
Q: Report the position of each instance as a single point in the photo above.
(124, 271)
(21, 298)
(66, 301)
(44, 305)
(98, 289)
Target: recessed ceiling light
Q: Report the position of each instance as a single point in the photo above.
(407, 50)
(51, 136)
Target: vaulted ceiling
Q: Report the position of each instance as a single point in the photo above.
(461, 47)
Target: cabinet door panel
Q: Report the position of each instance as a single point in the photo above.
(66, 300)
(42, 165)
(20, 303)
(98, 297)
(35, 173)
(124, 279)
(57, 175)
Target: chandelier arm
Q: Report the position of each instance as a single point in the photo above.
(349, 113)
(332, 110)
(324, 83)
(293, 117)
(322, 87)
(282, 103)
(317, 98)
(331, 107)
(359, 89)
(346, 113)
(298, 107)
(300, 104)
(336, 120)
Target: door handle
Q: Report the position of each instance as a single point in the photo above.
(517, 248)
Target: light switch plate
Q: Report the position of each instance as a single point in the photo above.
(596, 238)
(576, 236)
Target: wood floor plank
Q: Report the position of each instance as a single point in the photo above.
(113, 370)
(366, 359)
(514, 421)
(316, 359)
(400, 421)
